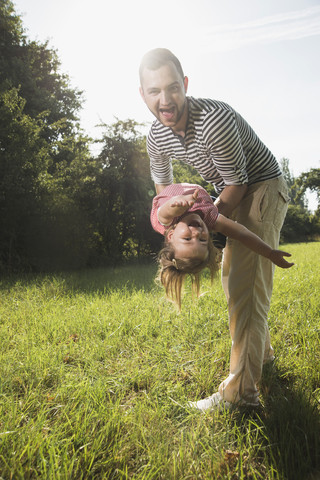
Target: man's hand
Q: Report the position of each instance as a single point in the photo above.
(230, 198)
(276, 256)
(219, 240)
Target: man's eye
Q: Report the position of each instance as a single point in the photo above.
(187, 238)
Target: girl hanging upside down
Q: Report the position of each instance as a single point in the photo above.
(185, 215)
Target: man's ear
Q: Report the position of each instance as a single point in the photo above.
(142, 94)
(186, 83)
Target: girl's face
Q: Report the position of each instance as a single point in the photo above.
(190, 238)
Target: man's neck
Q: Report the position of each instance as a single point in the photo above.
(181, 127)
(180, 133)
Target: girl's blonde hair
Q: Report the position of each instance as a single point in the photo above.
(172, 272)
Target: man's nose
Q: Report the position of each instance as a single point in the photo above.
(164, 97)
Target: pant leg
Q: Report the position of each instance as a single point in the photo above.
(247, 279)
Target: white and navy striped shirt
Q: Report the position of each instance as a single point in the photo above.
(218, 143)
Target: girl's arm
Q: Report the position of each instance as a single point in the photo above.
(239, 232)
(176, 206)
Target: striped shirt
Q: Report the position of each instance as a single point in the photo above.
(203, 205)
(218, 143)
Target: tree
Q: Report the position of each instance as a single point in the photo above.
(308, 180)
(185, 173)
(23, 157)
(40, 142)
(119, 200)
(291, 182)
(33, 68)
(300, 225)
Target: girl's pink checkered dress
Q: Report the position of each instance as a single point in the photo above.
(203, 205)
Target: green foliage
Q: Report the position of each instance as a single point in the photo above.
(10, 28)
(122, 194)
(291, 182)
(309, 180)
(61, 208)
(184, 173)
(300, 225)
(40, 147)
(24, 158)
(96, 369)
(33, 68)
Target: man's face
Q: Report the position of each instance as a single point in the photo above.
(164, 92)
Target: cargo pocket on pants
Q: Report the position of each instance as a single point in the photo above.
(281, 209)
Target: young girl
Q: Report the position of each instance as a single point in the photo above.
(185, 215)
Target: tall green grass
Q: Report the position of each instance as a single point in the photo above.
(96, 369)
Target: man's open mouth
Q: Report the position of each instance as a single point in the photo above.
(167, 112)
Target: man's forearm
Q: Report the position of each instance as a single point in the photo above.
(160, 187)
(230, 198)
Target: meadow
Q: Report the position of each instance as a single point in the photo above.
(97, 367)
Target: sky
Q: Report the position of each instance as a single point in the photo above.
(260, 57)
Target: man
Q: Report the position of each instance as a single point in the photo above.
(223, 148)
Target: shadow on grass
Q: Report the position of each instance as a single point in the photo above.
(96, 280)
(102, 280)
(293, 425)
(290, 423)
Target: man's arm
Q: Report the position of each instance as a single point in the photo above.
(161, 187)
(235, 230)
(230, 198)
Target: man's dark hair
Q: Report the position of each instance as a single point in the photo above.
(158, 57)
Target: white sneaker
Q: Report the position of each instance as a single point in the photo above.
(210, 403)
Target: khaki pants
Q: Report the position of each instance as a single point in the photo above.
(247, 279)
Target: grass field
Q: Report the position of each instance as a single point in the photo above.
(96, 369)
